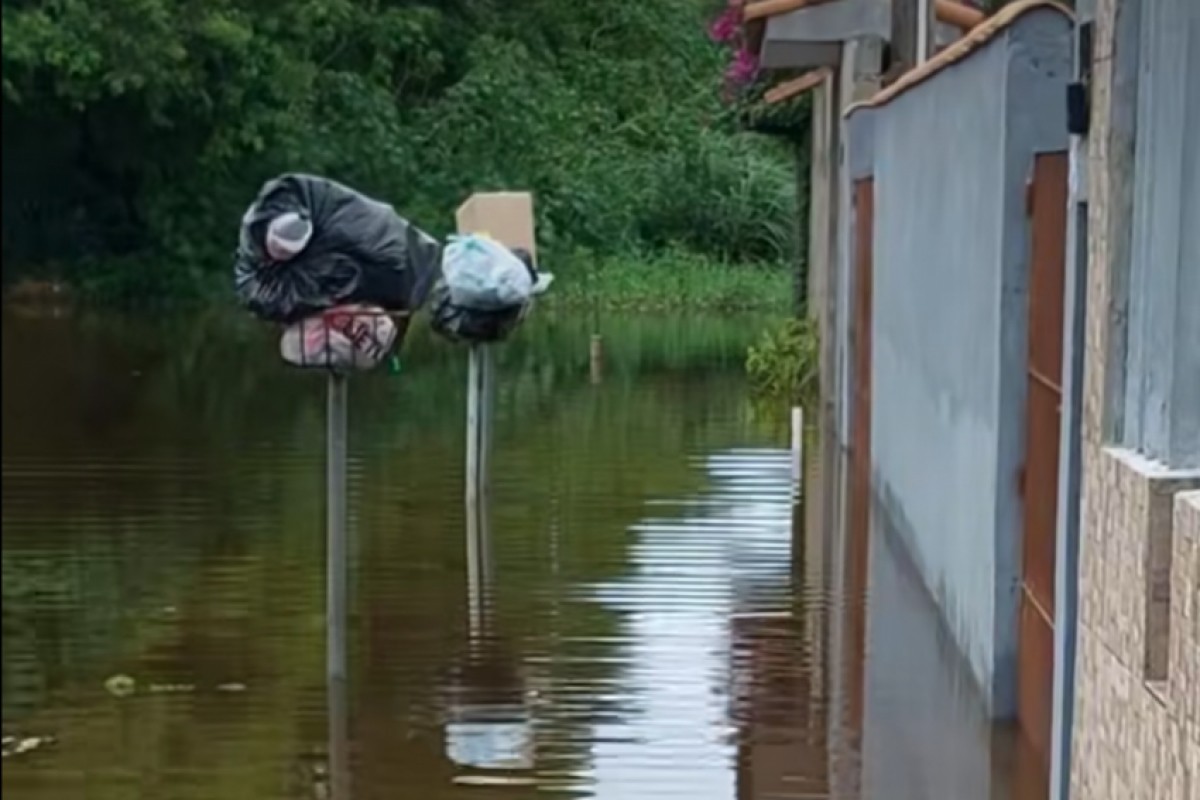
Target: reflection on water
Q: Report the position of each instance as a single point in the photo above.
(699, 564)
(164, 521)
(907, 720)
(646, 630)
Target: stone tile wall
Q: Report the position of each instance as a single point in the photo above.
(1137, 726)
(1184, 678)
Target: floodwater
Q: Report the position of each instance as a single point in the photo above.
(659, 618)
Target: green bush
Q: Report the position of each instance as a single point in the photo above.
(784, 365)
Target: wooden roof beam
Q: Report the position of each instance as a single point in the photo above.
(949, 12)
(796, 86)
(773, 8)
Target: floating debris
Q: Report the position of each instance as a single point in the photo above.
(12, 746)
(125, 686)
(120, 685)
(314, 777)
(495, 780)
(172, 688)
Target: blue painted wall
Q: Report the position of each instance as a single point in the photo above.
(1160, 412)
(951, 158)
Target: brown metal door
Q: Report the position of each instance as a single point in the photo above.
(858, 514)
(1047, 207)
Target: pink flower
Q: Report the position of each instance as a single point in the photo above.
(743, 68)
(725, 27)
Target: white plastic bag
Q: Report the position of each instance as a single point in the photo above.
(484, 275)
(342, 338)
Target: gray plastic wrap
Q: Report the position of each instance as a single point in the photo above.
(467, 325)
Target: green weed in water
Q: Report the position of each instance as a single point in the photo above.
(783, 366)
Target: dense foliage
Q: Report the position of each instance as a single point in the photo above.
(136, 131)
(784, 365)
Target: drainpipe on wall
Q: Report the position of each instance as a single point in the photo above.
(1071, 455)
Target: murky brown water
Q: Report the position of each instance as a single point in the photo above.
(646, 635)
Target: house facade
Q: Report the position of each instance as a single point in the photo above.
(1130, 726)
(1006, 266)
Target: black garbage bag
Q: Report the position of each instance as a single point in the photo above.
(467, 325)
(358, 250)
(463, 324)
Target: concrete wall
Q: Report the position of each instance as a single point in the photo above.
(951, 157)
(1137, 696)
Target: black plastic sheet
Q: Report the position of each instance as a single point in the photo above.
(361, 251)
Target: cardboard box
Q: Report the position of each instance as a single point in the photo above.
(505, 216)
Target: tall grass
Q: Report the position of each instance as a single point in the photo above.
(668, 280)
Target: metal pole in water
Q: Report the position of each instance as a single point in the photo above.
(335, 607)
(339, 741)
(336, 581)
(481, 389)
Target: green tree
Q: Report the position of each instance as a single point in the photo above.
(136, 131)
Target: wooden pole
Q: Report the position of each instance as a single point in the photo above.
(596, 359)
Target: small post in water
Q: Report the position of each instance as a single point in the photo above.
(596, 358)
(797, 443)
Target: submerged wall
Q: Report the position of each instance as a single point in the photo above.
(924, 732)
